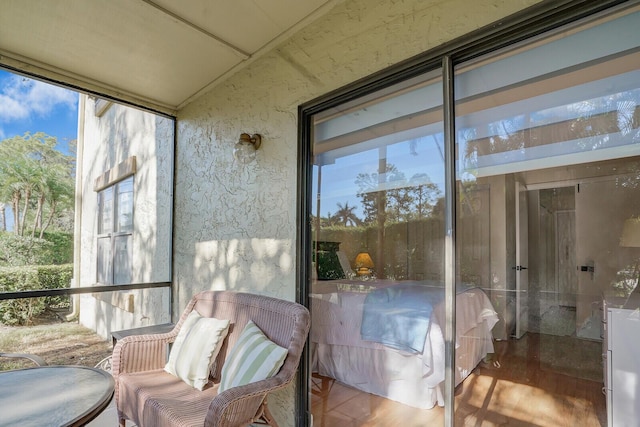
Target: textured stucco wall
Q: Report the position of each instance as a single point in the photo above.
(236, 224)
(106, 141)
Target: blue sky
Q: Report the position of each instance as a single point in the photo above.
(28, 105)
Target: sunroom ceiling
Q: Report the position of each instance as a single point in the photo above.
(157, 53)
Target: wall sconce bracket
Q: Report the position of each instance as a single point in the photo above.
(255, 139)
(245, 149)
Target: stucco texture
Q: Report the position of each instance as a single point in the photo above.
(105, 141)
(235, 225)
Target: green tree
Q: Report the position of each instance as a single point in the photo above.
(35, 180)
(401, 199)
(3, 217)
(370, 197)
(346, 215)
(424, 195)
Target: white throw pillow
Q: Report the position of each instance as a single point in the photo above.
(254, 357)
(195, 348)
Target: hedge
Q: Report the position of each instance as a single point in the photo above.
(34, 277)
(56, 248)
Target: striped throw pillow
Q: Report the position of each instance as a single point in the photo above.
(253, 358)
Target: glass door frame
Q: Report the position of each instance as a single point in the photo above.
(523, 26)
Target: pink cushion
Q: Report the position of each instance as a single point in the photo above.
(157, 398)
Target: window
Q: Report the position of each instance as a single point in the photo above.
(115, 233)
(115, 228)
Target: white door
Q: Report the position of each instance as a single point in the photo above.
(566, 272)
(522, 261)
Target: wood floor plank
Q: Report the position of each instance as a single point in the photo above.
(522, 390)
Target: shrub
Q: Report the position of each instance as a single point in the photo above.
(56, 248)
(35, 277)
(62, 252)
(19, 250)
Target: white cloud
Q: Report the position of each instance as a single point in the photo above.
(21, 98)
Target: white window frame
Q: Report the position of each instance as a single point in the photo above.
(113, 261)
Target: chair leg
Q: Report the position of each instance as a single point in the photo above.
(264, 416)
(267, 415)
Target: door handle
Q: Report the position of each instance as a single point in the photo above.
(519, 268)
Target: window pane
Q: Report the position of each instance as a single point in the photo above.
(125, 206)
(582, 112)
(122, 259)
(378, 246)
(105, 218)
(104, 260)
(547, 177)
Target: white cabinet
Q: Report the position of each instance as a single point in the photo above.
(622, 366)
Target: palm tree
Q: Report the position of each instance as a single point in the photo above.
(346, 216)
(58, 192)
(3, 217)
(31, 167)
(13, 185)
(31, 178)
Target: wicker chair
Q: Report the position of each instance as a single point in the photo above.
(149, 396)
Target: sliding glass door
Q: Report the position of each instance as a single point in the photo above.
(546, 209)
(548, 131)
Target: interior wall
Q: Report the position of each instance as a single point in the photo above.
(235, 225)
(609, 202)
(502, 249)
(538, 249)
(601, 197)
(606, 193)
(473, 230)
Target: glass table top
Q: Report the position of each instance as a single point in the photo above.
(53, 395)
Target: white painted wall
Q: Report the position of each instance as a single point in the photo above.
(104, 142)
(235, 225)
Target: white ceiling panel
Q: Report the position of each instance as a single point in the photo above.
(158, 53)
(247, 24)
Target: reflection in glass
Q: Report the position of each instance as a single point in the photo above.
(548, 175)
(104, 261)
(122, 259)
(105, 205)
(125, 205)
(378, 245)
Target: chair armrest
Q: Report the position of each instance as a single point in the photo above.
(238, 405)
(137, 353)
(35, 359)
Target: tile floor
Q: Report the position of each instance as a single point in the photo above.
(108, 418)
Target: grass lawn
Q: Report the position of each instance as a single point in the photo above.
(59, 343)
